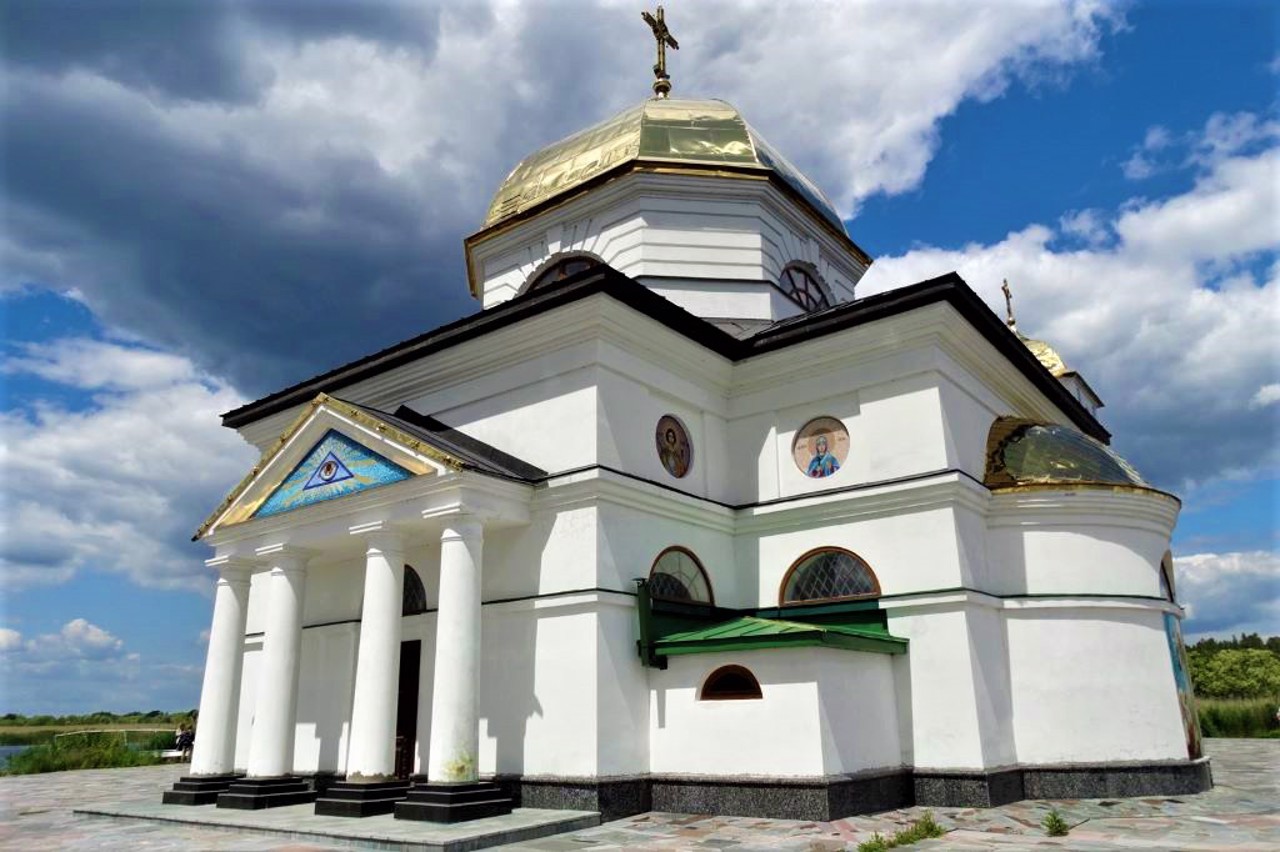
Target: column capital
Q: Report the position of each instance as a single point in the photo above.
(232, 569)
(462, 526)
(286, 557)
(379, 536)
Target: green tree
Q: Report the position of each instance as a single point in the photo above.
(1235, 673)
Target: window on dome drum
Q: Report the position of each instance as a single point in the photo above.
(677, 575)
(829, 573)
(803, 287)
(414, 599)
(730, 683)
(562, 269)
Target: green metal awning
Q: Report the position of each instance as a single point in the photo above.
(750, 633)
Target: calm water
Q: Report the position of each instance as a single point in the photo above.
(7, 751)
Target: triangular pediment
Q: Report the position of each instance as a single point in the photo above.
(332, 450)
(335, 467)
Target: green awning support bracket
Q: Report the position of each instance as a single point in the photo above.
(644, 605)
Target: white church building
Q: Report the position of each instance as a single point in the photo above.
(678, 522)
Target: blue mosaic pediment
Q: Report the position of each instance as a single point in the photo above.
(335, 467)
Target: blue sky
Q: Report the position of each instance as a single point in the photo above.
(190, 229)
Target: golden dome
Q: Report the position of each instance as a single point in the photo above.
(660, 131)
(1022, 452)
(1046, 355)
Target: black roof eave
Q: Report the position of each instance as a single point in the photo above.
(949, 288)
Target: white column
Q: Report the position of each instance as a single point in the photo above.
(276, 704)
(371, 755)
(215, 747)
(455, 735)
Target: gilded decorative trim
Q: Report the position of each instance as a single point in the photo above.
(323, 400)
(1082, 486)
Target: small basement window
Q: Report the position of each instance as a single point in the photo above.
(730, 683)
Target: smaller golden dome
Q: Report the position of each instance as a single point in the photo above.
(1046, 355)
(1023, 452)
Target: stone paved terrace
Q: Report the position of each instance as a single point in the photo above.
(1242, 812)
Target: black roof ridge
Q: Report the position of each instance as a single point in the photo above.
(949, 288)
(473, 452)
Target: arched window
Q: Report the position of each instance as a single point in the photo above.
(561, 268)
(730, 683)
(414, 599)
(801, 283)
(677, 575)
(829, 573)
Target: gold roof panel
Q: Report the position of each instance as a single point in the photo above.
(660, 130)
(1028, 452)
(1046, 355)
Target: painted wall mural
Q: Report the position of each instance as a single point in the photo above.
(1186, 698)
(675, 451)
(821, 447)
(335, 467)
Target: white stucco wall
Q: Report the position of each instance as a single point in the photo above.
(326, 677)
(1092, 684)
(941, 687)
(667, 227)
(248, 694)
(822, 712)
(1073, 541)
(538, 689)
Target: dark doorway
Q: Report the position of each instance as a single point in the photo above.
(407, 707)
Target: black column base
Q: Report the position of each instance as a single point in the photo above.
(449, 803)
(350, 799)
(252, 794)
(199, 789)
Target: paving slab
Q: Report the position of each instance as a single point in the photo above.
(1242, 812)
(300, 823)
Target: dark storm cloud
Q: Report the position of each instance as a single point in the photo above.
(193, 48)
(264, 275)
(263, 267)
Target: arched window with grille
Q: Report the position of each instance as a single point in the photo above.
(561, 267)
(414, 598)
(677, 575)
(801, 283)
(730, 683)
(829, 574)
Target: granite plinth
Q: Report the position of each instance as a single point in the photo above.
(199, 789)
(352, 799)
(450, 803)
(252, 794)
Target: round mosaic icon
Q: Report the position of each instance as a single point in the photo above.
(675, 451)
(821, 447)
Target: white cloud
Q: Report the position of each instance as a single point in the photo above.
(1173, 322)
(1226, 135)
(1089, 226)
(1266, 395)
(78, 639)
(1230, 593)
(10, 640)
(84, 666)
(1142, 164)
(119, 484)
(95, 364)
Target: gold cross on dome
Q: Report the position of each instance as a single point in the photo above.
(658, 23)
(1008, 305)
